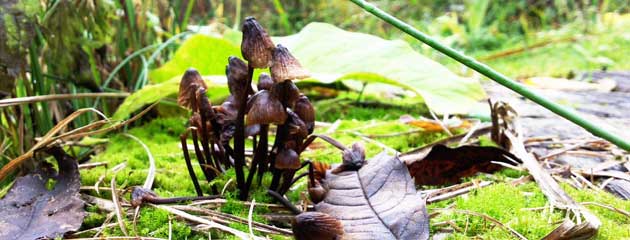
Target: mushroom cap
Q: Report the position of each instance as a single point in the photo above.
(316, 193)
(256, 46)
(286, 92)
(265, 109)
(297, 127)
(286, 67)
(305, 110)
(316, 225)
(287, 159)
(203, 104)
(138, 194)
(264, 82)
(227, 112)
(237, 75)
(191, 81)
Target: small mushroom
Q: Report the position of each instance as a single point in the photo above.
(195, 121)
(264, 82)
(297, 127)
(227, 112)
(237, 76)
(256, 47)
(353, 159)
(286, 92)
(287, 159)
(285, 67)
(304, 109)
(316, 226)
(139, 194)
(203, 104)
(191, 81)
(265, 109)
(317, 193)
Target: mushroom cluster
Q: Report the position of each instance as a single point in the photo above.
(249, 113)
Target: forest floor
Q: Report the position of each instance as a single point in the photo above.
(521, 206)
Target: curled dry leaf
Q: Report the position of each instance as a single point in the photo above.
(444, 165)
(316, 226)
(31, 211)
(379, 201)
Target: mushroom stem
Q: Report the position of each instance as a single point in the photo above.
(210, 175)
(219, 157)
(310, 173)
(259, 155)
(287, 180)
(326, 138)
(191, 172)
(263, 164)
(206, 144)
(281, 134)
(239, 139)
(284, 202)
(200, 156)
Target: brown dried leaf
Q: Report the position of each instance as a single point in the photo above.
(444, 165)
(31, 211)
(379, 201)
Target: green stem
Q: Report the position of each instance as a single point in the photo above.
(566, 113)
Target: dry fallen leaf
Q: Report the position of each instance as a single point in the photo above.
(443, 165)
(430, 125)
(378, 201)
(31, 211)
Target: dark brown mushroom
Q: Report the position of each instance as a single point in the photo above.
(139, 194)
(226, 112)
(297, 127)
(203, 104)
(256, 47)
(237, 76)
(286, 67)
(317, 193)
(287, 92)
(191, 81)
(265, 109)
(316, 226)
(264, 82)
(287, 159)
(304, 109)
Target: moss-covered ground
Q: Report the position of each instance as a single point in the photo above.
(512, 205)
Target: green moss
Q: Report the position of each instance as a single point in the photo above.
(505, 203)
(502, 201)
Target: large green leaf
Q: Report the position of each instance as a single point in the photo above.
(327, 50)
(330, 54)
(155, 92)
(207, 54)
